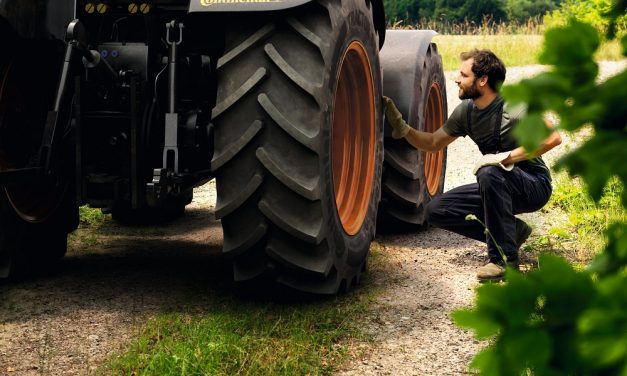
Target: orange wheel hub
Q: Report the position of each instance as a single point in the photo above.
(434, 115)
(353, 141)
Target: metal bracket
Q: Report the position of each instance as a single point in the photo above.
(76, 38)
(174, 37)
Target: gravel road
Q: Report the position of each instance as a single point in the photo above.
(68, 322)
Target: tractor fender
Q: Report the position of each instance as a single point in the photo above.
(211, 6)
(402, 60)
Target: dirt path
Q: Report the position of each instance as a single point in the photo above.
(67, 323)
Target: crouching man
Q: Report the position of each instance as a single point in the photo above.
(509, 181)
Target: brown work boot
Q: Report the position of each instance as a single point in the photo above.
(494, 271)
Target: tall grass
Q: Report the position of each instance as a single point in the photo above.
(515, 50)
(580, 235)
(488, 26)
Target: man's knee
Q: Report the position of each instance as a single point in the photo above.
(488, 175)
(433, 211)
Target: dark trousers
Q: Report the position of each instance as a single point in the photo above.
(496, 197)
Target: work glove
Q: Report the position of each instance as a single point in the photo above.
(493, 160)
(395, 119)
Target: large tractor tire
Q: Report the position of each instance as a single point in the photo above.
(35, 217)
(414, 79)
(299, 145)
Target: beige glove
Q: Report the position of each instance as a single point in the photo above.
(395, 119)
(493, 160)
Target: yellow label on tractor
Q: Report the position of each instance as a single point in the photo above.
(207, 3)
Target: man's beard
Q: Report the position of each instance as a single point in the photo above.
(470, 93)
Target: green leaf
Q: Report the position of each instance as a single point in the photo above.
(576, 63)
(487, 362)
(482, 324)
(610, 96)
(530, 348)
(558, 43)
(520, 298)
(553, 88)
(531, 132)
(567, 292)
(623, 42)
(604, 336)
(614, 257)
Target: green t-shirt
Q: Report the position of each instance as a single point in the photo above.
(480, 124)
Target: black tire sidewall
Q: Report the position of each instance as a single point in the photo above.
(26, 245)
(352, 250)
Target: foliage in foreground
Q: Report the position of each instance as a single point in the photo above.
(555, 320)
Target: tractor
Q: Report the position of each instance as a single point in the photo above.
(127, 106)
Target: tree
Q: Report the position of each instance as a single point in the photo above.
(469, 10)
(522, 10)
(593, 12)
(408, 11)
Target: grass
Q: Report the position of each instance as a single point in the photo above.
(89, 220)
(515, 50)
(246, 338)
(90, 217)
(579, 235)
(229, 335)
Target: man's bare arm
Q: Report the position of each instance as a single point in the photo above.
(520, 154)
(426, 141)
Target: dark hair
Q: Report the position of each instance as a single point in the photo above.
(486, 63)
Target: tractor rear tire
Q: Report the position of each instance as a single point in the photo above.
(35, 218)
(411, 178)
(299, 145)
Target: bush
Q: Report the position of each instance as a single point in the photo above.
(591, 12)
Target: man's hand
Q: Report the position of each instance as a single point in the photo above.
(395, 119)
(493, 160)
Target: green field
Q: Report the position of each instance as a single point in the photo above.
(515, 50)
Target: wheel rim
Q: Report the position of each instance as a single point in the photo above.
(32, 202)
(353, 138)
(434, 162)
